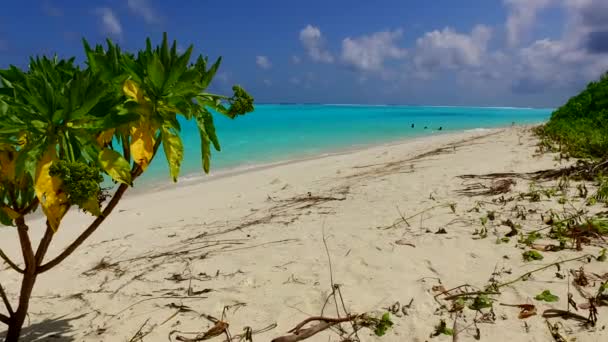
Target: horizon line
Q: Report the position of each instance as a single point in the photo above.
(394, 105)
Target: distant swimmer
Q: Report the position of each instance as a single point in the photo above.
(440, 128)
(425, 127)
(412, 125)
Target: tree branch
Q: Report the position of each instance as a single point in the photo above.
(10, 262)
(44, 244)
(30, 207)
(26, 244)
(136, 171)
(5, 319)
(9, 308)
(90, 230)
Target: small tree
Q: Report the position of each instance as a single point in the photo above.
(63, 127)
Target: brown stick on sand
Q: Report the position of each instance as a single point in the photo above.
(299, 334)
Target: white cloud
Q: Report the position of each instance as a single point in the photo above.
(109, 22)
(295, 59)
(263, 62)
(143, 9)
(311, 38)
(448, 49)
(579, 56)
(368, 53)
(522, 17)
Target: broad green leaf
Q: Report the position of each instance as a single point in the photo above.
(207, 121)
(115, 166)
(205, 151)
(156, 72)
(178, 68)
(174, 150)
(209, 74)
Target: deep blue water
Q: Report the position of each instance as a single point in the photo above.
(281, 132)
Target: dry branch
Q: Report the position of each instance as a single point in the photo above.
(300, 334)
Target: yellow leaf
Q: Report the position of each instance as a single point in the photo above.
(174, 150)
(10, 212)
(104, 138)
(48, 190)
(92, 206)
(7, 164)
(131, 89)
(115, 165)
(22, 138)
(142, 143)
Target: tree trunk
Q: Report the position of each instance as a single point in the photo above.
(16, 321)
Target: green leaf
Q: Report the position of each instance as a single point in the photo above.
(547, 296)
(205, 145)
(115, 165)
(5, 219)
(174, 151)
(92, 206)
(205, 119)
(442, 329)
(209, 74)
(481, 302)
(532, 255)
(383, 325)
(156, 72)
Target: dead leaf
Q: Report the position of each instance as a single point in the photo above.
(527, 310)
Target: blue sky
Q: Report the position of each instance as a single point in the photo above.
(442, 52)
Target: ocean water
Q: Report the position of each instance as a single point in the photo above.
(274, 133)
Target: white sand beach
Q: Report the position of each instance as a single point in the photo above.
(253, 241)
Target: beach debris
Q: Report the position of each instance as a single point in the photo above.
(526, 310)
(546, 296)
(497, 187)
(404, 242)
(442, 329)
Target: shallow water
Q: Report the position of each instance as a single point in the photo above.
(281, 132)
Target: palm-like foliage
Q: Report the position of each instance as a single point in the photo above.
(63, 126)
(57, 111)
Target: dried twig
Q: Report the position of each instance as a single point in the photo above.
(139, 335)
(300, 334)
(527, 274)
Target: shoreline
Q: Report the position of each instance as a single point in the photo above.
(158, 185)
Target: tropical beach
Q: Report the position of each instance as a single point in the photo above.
(257, 247)
(238, 172)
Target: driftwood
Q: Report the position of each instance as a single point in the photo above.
(300, 334)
